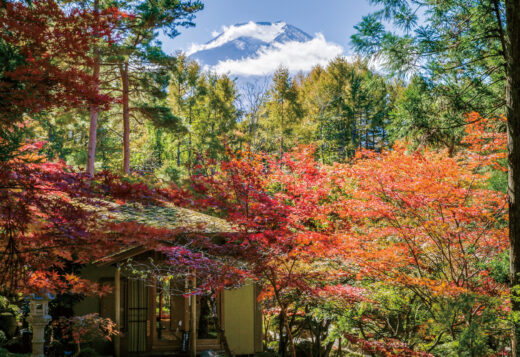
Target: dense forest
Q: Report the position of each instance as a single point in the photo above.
(373, 200)
(339, 109)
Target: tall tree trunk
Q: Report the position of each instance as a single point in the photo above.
(290, 335)
(123, 69)
(366, 132)
(189, 139)
(318, 339)
(281, 324)
(284, 321)
(322, 140)
(281, 137)
(179, 153)
(341, 135)
(513, 146)
(383, 138)
(353, 135)
(92, 138)
(250, 129)
(94, 109)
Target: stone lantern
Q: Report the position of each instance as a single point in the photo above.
(39, 318)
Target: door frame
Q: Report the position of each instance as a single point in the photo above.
(202, 344)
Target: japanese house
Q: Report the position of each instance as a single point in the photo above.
(155, 317)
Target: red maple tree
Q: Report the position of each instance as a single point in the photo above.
(47, 56)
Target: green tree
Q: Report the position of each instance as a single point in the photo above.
(206, 104)
(217, 114)
(422, 115)
(283, 107)
(347, 106)
(315, 100)
(140, 48)
(182, 96)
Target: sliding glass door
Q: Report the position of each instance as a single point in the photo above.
(137, 315)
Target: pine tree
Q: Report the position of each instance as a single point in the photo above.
(283, 107)
(140, 33)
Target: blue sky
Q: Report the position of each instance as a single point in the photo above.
(334, 19)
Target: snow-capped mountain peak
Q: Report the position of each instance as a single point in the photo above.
(266, 32)
(257, 42)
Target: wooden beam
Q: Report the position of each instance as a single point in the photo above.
(121, 255)
(117, 315)
(193, 319)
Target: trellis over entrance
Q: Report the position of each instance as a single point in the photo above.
(153, 320)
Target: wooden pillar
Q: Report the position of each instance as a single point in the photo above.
(187, 304)
(151, 330)
(193, 319)
(117, 315)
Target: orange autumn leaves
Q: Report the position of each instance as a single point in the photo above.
(418, 219)
(429, 219)
(486, 140)
(422, 222)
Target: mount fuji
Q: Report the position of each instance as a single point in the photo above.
(259, 48)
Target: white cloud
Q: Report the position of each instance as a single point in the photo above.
(263, 32)
(296, 56)
(215, 33)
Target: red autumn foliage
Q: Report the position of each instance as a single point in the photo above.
(48, 56)
(54, 218)
(87, 328)
(43, 228)
(286, 238)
